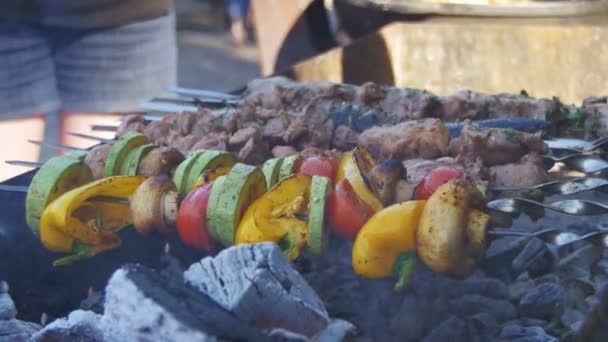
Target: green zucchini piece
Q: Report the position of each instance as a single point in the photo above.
(129, 167)
(229, 200)
(271, 169)
(209, 160)
(119, 151)
(180, 177)
(57, 176)
(317, 233)
(288, 166)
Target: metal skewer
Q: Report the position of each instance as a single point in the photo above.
(56, 146)
(557, 237)
(526, 206)
(580, 162)
(564, 187)
(23, 163)
(91, 137)
(203, 93)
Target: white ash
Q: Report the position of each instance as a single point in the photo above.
(7, 307)
(258, 284)
(79, 326)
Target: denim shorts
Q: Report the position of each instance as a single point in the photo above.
(50, 69)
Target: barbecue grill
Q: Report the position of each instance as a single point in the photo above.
(526, 287)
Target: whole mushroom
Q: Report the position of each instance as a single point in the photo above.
(154, 205)
(451, 234)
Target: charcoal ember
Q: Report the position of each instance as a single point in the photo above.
(454, 329)
(142, 305)
(575, 293)
(485, 324)
(257, 283)
(472, 304)
(7, 307)
(514, 333)
(93, 302)
(284, 335)
(14, 330)
(416, 317)
(79, 326)
(487, 287)
(536, 258)
(577, 265)
(544, 302)
(337, 330)
(519, 288)
(572, 319)
(501, 253)
(526, 322)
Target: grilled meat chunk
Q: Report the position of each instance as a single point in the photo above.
(425, 138)
(131, 123)
(495, 146)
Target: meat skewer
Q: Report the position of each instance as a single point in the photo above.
(558, 237)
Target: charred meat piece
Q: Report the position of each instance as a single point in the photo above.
(522, 105)
(408, 104)
(417, 169)
(495, 146)
(465, 104)
(160, 161)
(158, 131)
(96, 159)
(528, 171)
(282, 151)
(369, 93)
(345, 138)
(425, 138)
(131, 123)
(184, 122)
(384, 178)
(217, 140)
(274, 128)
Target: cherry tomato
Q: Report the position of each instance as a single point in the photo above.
(318, 166)
(346, 212)
(435, 179)
(192, 218)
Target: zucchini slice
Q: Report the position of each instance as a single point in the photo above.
(230, 197)
(211, 163)
(57, 176)
(129, 167)
(271, 169)
(119, 151)
(317, 233)
(180, 177)
(288, 166)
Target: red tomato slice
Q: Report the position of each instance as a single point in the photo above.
(192, 218)
(318, 166)
(435, 179)
(346, 213)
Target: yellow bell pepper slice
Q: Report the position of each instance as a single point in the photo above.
(211, 175)
(355, 166)
(387, 234)
(279, 216)
(82, 222)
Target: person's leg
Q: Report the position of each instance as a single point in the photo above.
(112, 71)
(237, 10)
(27, 91)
